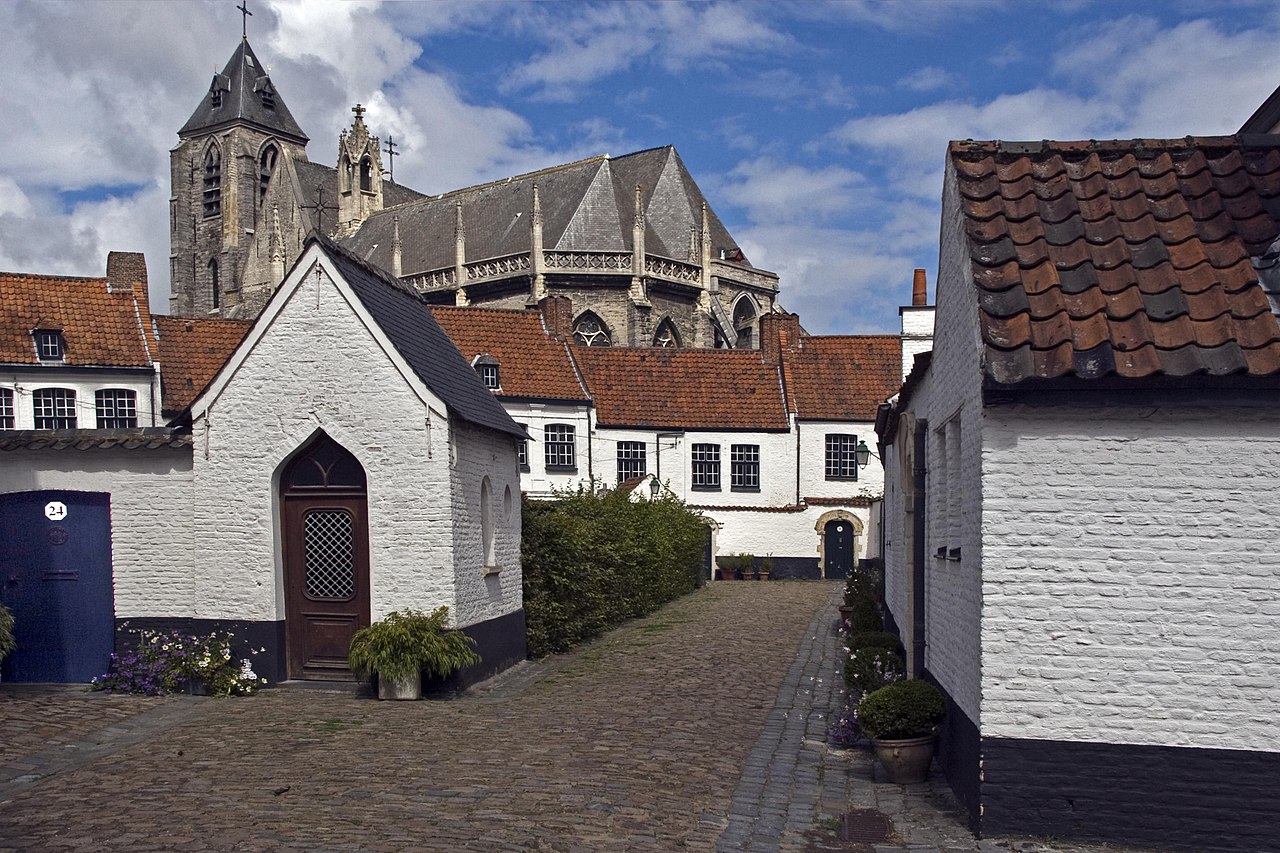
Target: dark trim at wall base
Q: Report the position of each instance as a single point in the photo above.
(500, 643)
(247, 637)
(1172, 798)
(794, 568)
(959, 755)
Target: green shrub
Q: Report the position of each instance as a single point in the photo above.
(7, 643)
(592, 562)
(865, 616)
(907, 709)
(409, 641)
(871, 667)
(876, 640)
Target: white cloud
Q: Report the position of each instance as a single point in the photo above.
(774, 191)
(927, 79)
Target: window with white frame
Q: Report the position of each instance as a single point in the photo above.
(7, 418)
(744, 467)
(842, 457)
(558, 441)
(489, 375)
(706, 467)
(55, 408)
(522, 450)
(50, 345)
(117, 408)
(631, 461)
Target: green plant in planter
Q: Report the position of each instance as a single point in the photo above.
(865, 616)
(871, 668)
(406, 642)
(875, 640)
(7, 643)
(908, 709)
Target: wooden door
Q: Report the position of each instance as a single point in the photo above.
(326, 560)
(838, 548)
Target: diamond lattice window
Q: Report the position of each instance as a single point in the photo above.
(329, 535)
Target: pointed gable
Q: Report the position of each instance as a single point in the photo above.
(243, 94)
(597, 224)
(669, 212)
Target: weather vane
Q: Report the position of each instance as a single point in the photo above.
(245, 15)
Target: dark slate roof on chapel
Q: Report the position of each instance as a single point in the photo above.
(1133, 259)
(407, 323)
(241, 85)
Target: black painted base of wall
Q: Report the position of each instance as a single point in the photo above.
(499, 642)
(958, 755)
(1172, 798)
(794, 568)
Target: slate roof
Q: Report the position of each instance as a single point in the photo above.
(402, 316)
(191, 354)
(142, 438)
(683, 388)
(587, 206)
(531, 363)
(313, 177)
(241, 83)
(1128, 258)
(101, 326)
(843, 377)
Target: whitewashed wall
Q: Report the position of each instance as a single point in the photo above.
(85, 383)
(917, 334)
(1132, 583)
(813, 461)
(537, 481)
(151, 533)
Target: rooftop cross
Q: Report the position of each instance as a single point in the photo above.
(391, 158)
(245, 15)
(359, 111)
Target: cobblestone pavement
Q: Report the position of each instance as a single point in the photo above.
(701, 727)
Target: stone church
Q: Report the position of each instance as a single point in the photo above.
(631, 241)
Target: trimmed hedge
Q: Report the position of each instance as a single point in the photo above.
(875, 640)
(865, 616)
(592, 562)
(904, 710)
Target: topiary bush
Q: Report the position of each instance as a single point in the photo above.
(871, 668)
(875, 639)
(908, 709)
(865, 616)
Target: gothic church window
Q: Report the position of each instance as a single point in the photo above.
(744, 321)
(215, 285)
(366, 175)
(55, 408)
(212, 182)
(666, 336)
(266, 168)
(591, 331)
(117, 408)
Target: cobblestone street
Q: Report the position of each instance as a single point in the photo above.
(701, 727)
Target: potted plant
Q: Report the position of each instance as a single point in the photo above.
(766, 566)
(6, 632)
(902, 721)
(400, 646)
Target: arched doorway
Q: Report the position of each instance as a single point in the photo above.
(325, 524)
(839, 531)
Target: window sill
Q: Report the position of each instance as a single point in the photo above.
(523, 468)
(842, 479)
(490, 571)
(562, 469)
(704, 488)
(755, 489)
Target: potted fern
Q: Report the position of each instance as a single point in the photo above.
(902, 720)
(399, 647)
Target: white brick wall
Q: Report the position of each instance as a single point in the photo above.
(1132, 582)
(813, 461)
(917, 334)
(538, 481)
(85, 383)
(150, 529)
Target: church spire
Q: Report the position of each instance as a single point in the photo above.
(243, 94)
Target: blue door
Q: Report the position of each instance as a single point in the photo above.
(838, 548)
(55, 576)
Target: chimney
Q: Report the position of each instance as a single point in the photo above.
(919, 289)
(557, 315)
(917, 323)
(778, 332)
(126, 269)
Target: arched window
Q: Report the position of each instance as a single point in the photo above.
(344, 174)
(591, 331)
(212, 182)
(266, 168)
(215, 284)
(744, 321)
(486, 524)
(666, 336)
(366, 175)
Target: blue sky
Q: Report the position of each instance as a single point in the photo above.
(817, 130)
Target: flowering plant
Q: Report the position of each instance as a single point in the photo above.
(163, 663)
(846, 732)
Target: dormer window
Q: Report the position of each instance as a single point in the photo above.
(215, 98)
(50, 345)
(266, 93)
(486, 367)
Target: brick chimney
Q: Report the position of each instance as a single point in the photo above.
(917, 323)
(919, 289)
(557, 315)
(778, 332)
(125, 270)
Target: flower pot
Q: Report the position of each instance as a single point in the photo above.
(762, 575)
(409, 687)
(905, 761)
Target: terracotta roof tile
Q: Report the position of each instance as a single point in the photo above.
(191, 353)
(101, 325)
(840, 377)
(1128, 258)
(531, 363)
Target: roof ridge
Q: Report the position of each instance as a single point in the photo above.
(1086, 146)
(54, 277)
(511, 178)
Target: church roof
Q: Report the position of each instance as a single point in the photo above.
(319, 181)
(104, 322)
(191, 353)
(400, 313)
(588, 205)
(683, 388)
(843, 377)
(531, 363)
(243, 94)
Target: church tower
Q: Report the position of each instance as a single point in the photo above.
(359, 175)
(219, 172)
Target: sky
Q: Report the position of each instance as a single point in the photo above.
(817, 130)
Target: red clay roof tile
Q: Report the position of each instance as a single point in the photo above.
(101, 325)
(191, 353)
(843, 377)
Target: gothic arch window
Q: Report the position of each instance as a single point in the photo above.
(344, 174)
(744, 321)
(212, 195)
(366, 175)
(486, 524)
(266, 168)
(666, 336)
(591, 331)
(215, 285)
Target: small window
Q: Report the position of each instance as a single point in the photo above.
(706, 467)
(266, 168)
(666, 335)
(489, 376)
(591, 331)
(744, 467)
(7, 420)
(50, 345)
(522, 451)
(212, 193)
(267, 95)
(560, 454)
(842, 457)
(55, 408)
(117, 408)
(631, 462)
(215, 284)
(215, 97)
(366, 175)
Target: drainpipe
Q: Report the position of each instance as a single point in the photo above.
(657, 449)
(917, 549)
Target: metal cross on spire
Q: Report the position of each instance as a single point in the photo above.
(245, 15)
(319, 207)
(391, 158)
(359, 111)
